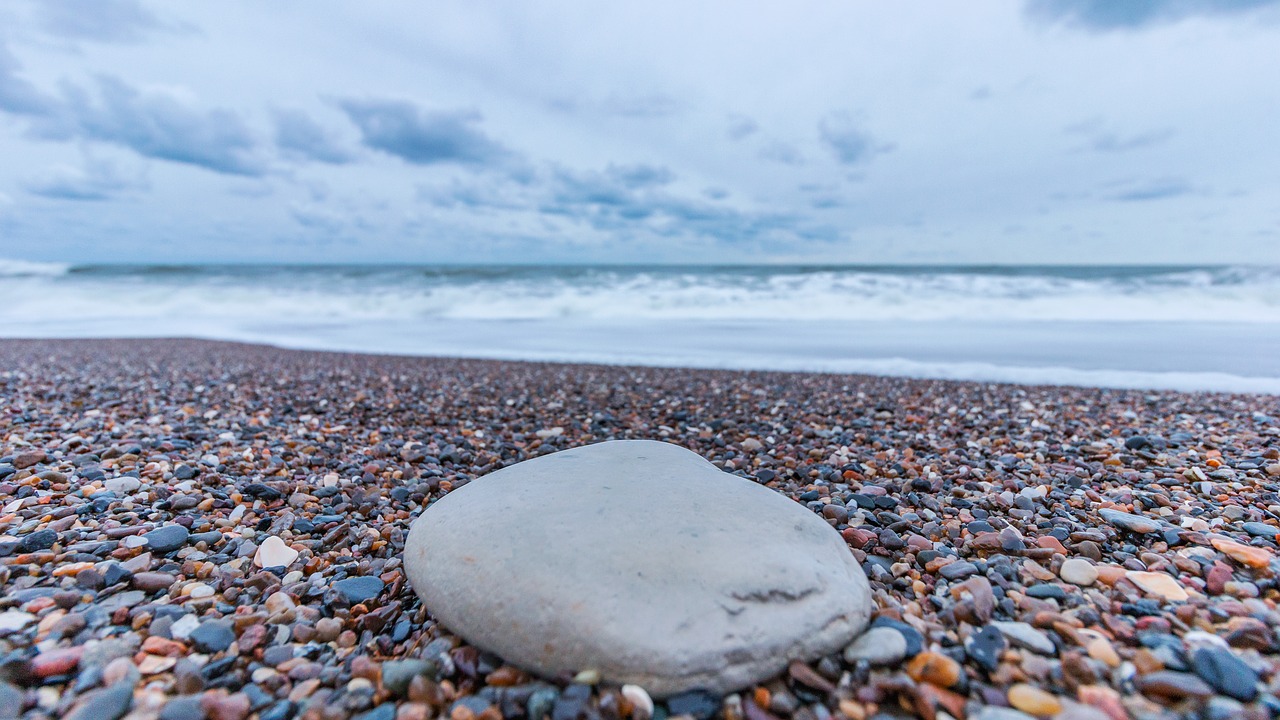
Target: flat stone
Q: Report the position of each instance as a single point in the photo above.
(1172, 685)
(359, 589)
(958, 570)
(642, 561)
(1227, 673)
(167, 538)
(1244, 554)
(1158, 584)
(1025, 636)
(15, 620)
(1129, 521)
(213, 636)
(1034, 701)
(1258, 529)
(29, 458)
(107, 704)
(38, 540)
(152, 581)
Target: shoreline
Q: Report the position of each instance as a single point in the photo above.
(1067, 549)
(982, 373)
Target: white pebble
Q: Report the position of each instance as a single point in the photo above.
(122, 485)
(640, 700)
(14, 620)
(274, 553)
(1079, 572)
(200, 590)
(184, 626)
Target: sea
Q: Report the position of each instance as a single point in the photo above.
(1202, 328)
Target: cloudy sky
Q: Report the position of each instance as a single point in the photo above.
(1021, 131)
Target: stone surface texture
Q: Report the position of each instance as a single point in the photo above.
(640, 560)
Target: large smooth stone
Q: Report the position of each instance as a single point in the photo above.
(640, 560)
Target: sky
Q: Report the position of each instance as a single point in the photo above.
(1019, 131)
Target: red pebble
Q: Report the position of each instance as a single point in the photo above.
(1153, 624)
(56, 662)
(1217, 579)
(857, 537)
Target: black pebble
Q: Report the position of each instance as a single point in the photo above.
(1046, 591)
(213, 636)
(1227, 673)
(359, 589)
(985, 647)
(698, 703)
(39, 540)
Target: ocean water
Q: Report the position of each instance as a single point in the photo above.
(1186, 328)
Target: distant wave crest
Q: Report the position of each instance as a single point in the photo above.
(27, 268)
(340, 294)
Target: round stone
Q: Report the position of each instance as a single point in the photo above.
(1079, 572)
(880, 646)
(639, 560)
(1034, 701)
(122, 485)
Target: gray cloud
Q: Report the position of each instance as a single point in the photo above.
(1110, 142)
(401, 128)
(1100, 139)
(299, 137)
(318, 218)
(474, 195)
(741, 126)
(1104, 15)
(1156, 189)
(642, 106)
(625, 201)
(781, 152)
(113, 21)
(653, 105)
(607, 202)
(640, 176)
(156, 125)
(97, 180)
(848, 142)
(16, 94)
(153, 124)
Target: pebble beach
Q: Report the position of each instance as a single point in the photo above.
(197, 529)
